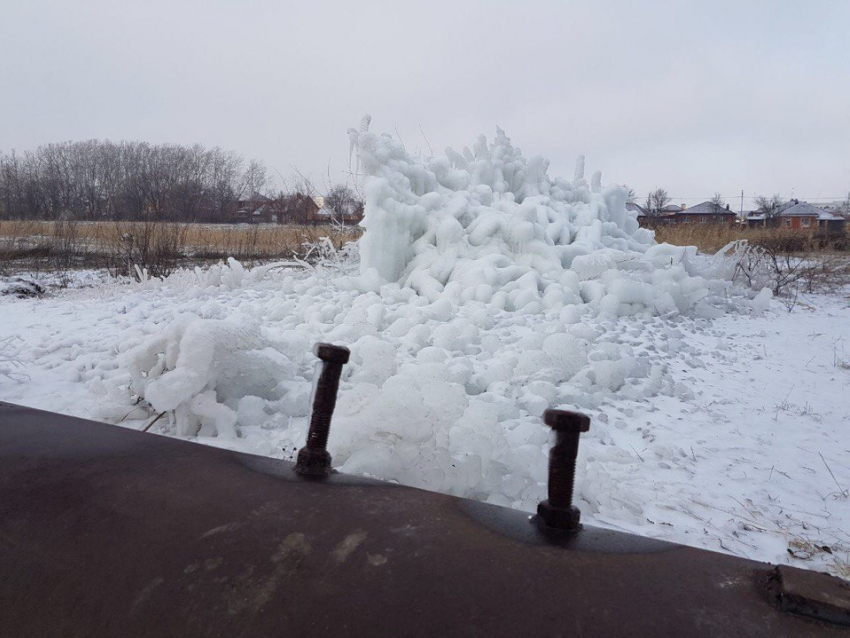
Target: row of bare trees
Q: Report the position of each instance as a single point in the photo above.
(102, 180)
(136, 181)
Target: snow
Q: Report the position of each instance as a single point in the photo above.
(761, 302)
(719, 433)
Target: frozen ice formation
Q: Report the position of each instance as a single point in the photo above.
(195, 366)
(490, 225)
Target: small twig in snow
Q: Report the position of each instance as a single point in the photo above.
(784, 404)
(129, 413)
(158, 417)
(843, 491)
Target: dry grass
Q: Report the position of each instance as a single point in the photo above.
(224, 240)
(710, 238)
(157, 246)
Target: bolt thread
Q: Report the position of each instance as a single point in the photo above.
(562, 470)
(320, 426)
(324, 403)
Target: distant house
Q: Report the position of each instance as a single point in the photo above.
(671, 209)
(254, 209)
(705, 213)
(296, 209)
(664, 217)
(793, 215)
(327, 215)
(797, 215)
(800, 216)
(831, 223)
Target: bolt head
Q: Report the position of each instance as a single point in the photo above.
(565, 518)
(331, 353)
(566, 421)
(313, 462)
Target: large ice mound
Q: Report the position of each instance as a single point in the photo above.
(490, 225)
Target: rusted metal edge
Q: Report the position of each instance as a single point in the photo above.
(811, 594)
(106, 531)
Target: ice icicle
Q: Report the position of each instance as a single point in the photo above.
(579, 172)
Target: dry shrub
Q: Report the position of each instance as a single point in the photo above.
(789, 265)
(788, 262)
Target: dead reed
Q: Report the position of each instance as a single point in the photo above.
(709, 238)
(159, 247)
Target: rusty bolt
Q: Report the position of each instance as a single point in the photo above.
(558, 511)
(313, 458)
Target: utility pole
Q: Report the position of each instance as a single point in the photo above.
(742, 204)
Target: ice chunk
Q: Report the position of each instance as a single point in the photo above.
(761, 301)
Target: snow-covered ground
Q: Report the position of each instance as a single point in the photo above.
(728, 433)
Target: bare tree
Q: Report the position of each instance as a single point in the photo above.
(343, 202)
(656, 201)
(254, 179)
(770, 207)
(96, 180)
(718, 200)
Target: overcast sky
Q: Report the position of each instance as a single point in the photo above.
(695, 97)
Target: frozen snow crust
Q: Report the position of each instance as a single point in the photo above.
(491, 226)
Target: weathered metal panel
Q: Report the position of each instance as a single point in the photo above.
(110, 532)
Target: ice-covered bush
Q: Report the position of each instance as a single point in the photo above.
(198, 370)
(323, 254)
(781, 266)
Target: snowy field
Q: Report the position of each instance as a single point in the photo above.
(485, 292)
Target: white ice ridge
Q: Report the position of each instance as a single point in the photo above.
(490, 225)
